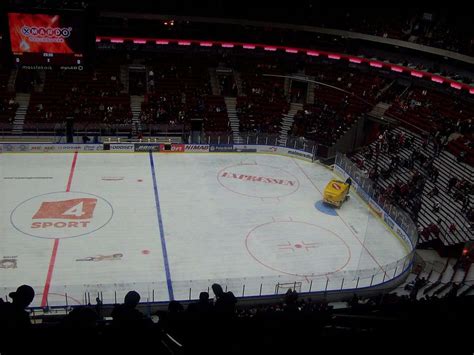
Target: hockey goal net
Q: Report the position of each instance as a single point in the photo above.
(282, 288)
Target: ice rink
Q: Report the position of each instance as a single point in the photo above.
(170, 225)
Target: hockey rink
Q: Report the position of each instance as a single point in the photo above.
(82, 225)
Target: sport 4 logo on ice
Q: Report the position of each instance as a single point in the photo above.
(61, 215)
(76, 209)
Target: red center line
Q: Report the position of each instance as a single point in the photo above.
(71, 174)
(47, 284)
(312, 183)
(49, 276)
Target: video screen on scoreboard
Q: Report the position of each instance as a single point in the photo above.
(47, 38)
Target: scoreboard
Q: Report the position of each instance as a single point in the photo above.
(48, 39)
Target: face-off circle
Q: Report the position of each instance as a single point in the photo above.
(298, 248)
(258, 180)
(61, 215)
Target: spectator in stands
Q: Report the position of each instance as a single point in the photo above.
(369, 153)
(81, 318)
(433, 171)
(416, 208)
(225, 302)
(434, 228)
(466, 202)
(98, 307)
(452, 182)
(436, 207)
(85, 139)
(354, 302)
(175, 307)
(13, 315)
(434, 192)
(452, 228)
(126, 314)
(203, 306)
(291, 299)
(462, 156)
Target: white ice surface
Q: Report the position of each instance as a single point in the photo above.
(217, 227)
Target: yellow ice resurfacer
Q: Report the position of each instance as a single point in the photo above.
(336, 192)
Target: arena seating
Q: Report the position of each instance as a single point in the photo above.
(177, 89)
(433, 223)
(425, 110)
(91, 98)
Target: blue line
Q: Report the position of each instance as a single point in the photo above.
(162, 232)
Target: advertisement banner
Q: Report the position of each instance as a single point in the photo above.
(266, 149)
(300, 154)
(117, 147)
(245, 148)
(67, 148)
(221, 148)
(92, 147)
(175, 148)
(40, 148)
(48, 148)
(396, 228)
(196, 148)
(15, 147)
(147, 147)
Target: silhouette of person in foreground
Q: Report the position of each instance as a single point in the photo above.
(203, 307)
(126, 314)
(13, 315)
(15, 321)
(225, 301)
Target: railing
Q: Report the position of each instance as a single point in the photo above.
(299, 143)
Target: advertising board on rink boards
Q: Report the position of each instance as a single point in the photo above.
(284, 151)
(242, 148)
(121, 147)
(175, 148)
(196, 148)
(221, 148)
(147, 147)
(49, 148)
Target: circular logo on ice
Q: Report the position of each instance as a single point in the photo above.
(60, 215)
(258, 180)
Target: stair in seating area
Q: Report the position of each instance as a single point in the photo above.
(310, 95)
(231, 104)
(215, 86)
(23, 101)
(12, 80)
(136, 107)
(287, 122)
(124, 78)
